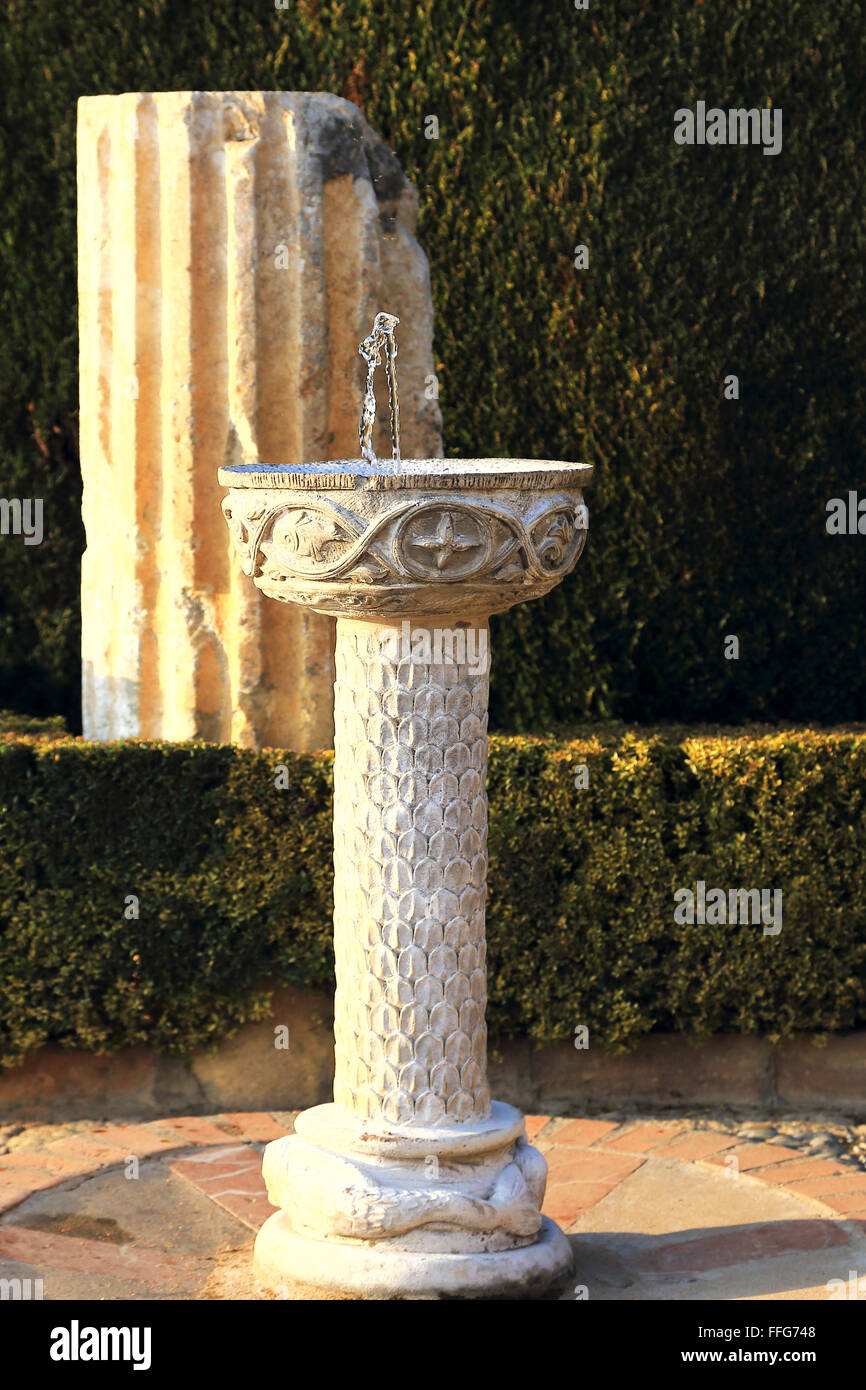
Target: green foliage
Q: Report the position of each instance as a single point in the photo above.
(12, 725)
(582, 883)
(556, 128)
(233, 879)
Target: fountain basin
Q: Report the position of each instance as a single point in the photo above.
(354, 538)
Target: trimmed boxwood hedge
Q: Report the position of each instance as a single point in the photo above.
(555, 129)
(233, 879)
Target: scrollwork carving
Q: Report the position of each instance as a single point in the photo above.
(323, 552)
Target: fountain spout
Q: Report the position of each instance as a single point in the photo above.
(381, 337)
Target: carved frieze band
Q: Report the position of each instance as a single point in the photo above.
(429, 541)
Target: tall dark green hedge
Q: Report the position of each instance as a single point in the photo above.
(233, 881)
(556, 128)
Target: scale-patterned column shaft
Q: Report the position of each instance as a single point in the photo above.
(410, 856)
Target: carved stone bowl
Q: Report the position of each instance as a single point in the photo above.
(352, 538)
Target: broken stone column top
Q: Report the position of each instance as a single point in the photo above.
(233, 250)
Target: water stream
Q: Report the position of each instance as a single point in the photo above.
(381, 337)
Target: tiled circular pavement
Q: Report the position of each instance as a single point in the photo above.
(656, 1210)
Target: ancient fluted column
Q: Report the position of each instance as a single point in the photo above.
(233, 247)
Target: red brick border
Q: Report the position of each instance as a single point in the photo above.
(24, 1172)
(588, 1158)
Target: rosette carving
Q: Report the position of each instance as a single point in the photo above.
(326, 552)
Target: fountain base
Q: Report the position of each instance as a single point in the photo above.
(373, 1271)
(400, 1211)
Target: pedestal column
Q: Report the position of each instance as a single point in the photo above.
(412, 1173)
(410, 859)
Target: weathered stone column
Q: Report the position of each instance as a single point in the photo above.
(233, 248)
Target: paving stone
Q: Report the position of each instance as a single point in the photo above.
(46, 1251)
(739, 1246)
(138, 1140)
(583, 1132)
(566, 1202)
(652, 1198)
(257, 1127)
(578, 1178)
(801, 1168)
(91, 1152)
(189, 1129)
(11, 1197)
(852, 1203)
(667, 1199)
(643, 1138)
(696, 1145)
(157, 1209)
(567, 1163)
(233, 1179)
(821, 1187)
(42, 1161)
(33, 1181)
(750, 1156)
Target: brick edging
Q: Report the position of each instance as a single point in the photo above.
(835, 1189)
(106, 1147)
(56, 1085)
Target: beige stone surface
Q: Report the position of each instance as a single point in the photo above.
(663, 1070)
(808, 1074)
(665, 1196)
(246, 1072)
(249, 1072)
(617, 1241)
(233, 248)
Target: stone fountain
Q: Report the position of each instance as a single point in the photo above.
(413, 1183)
